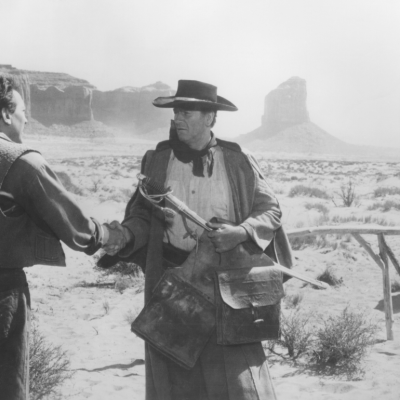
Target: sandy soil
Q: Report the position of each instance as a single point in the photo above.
(89, 313)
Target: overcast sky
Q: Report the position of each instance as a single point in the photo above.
(347, 50)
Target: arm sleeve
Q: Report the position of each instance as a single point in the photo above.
(38, 190)
(265, 216)
(137, 220)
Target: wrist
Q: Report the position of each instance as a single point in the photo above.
(105, 235)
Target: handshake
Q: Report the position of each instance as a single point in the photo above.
(115, 237)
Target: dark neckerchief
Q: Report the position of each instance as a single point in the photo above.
(185, 154)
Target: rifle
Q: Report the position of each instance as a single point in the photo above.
(147, 184)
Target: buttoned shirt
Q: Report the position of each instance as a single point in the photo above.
(208, 196)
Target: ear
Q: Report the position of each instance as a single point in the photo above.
(6, 116)
(210, 118)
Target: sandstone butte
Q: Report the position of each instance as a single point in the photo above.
(60, 99)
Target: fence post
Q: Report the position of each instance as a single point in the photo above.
(387, 295)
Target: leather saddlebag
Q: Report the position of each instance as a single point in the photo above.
(178, 320)
(248, 304)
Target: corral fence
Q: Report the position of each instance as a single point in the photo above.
(382, 259)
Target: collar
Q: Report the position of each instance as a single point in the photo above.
(5, 137)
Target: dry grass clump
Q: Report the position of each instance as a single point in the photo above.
(302, 190)
(48, 366)
(384, 191)
(328, 345)
(342, 342)
(348, 193)
(293, 300)
(385, 206)
(328, 276)
(364, 219)
(322, 208)
(296, 335)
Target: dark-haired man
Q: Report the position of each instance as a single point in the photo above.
(214, 178)
(36, 212)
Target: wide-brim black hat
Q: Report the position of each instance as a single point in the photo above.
(197, 95)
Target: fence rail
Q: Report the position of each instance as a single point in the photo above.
(381, 259)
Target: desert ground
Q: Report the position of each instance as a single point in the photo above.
(88, 312)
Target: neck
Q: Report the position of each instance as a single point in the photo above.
(202, 143)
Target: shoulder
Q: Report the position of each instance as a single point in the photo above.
(229, 145)
(32, 160)
(162, 146)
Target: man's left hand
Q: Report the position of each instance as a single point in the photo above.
(226, 237)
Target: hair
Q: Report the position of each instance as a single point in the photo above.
(7, 85)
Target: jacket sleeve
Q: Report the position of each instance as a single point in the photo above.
(265, 216)
(137, 218)
(37, 189)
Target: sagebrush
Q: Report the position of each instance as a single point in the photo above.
(49, 366)
(342, 342)
(302, 190)
(328, 345)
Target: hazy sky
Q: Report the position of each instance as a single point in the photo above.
(347, 50)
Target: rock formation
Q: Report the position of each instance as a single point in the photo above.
(286, 125)
(61, 99)
(285, 106)
(131, 108)
(57, 106)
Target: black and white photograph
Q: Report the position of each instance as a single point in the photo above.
(200, 200)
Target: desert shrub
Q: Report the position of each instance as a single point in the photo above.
(329, 277)
(121, 268)
(67, 183)
(296, 335)
(293, 300)
(348, 193)
(381, 177)
(384, 191)
(302, 190)
(96, 182)
(322, 208)
(48, 366)
(364, 219)
(315, 241)
(389, 204)
(342, 342)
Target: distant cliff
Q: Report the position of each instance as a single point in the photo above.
(61, 99)
(131, 108)
(286, 125)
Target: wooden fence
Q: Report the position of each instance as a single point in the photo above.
(382, 259)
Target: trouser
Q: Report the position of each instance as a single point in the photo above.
(14, 335)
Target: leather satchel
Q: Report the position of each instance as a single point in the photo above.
(248, 304)
(178, 320)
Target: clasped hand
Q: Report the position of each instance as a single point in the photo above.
(116, 237)
(226, 237)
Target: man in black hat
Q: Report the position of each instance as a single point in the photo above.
(214, 178)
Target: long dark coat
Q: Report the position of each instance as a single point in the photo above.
(222, 372)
